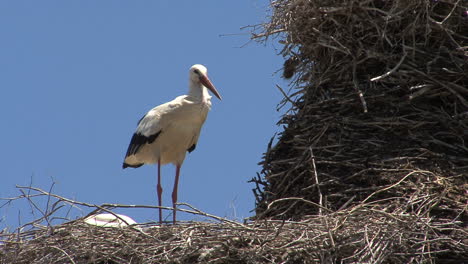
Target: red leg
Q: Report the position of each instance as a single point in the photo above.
(174, 193)
(159, 189)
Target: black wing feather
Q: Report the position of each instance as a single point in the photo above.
(138, 140)
(192, 148)
(139, 121)
(126, 165)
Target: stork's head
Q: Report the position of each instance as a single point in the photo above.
(199, 74)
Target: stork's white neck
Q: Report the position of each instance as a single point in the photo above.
(199, 92)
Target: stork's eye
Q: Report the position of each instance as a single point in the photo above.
(196, 71)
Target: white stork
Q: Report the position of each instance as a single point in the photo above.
(110, 220)
(168, 131)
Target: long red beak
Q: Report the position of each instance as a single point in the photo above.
(207, 83)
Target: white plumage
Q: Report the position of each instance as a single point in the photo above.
(110, 220)
(177, 125)
(168, 131)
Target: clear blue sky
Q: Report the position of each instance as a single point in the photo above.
(76, 76)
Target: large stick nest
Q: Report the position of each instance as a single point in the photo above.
(379, 97)
(360, 235)
(378, 110)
